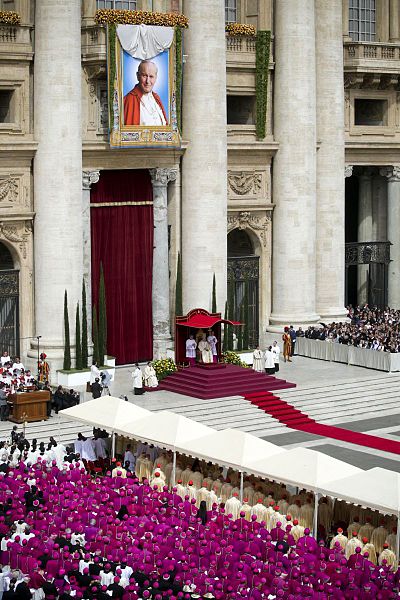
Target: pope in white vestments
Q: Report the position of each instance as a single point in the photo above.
(150, 377)
(205, 350)
(258, 360)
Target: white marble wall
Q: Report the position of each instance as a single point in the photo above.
(204, 164)
(57, 169)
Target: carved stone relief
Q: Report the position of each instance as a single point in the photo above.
(259, 223)
(245, 183)
(9, 190)
(18, 233)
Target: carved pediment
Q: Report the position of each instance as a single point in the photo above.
(245, 182)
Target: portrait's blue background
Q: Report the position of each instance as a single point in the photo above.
(130, 67)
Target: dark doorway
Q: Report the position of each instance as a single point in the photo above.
(9, 303)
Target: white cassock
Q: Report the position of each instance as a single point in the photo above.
(88, 452)
(150, 111)
(269, 360)
(137, 378)
(212, 340)
(94, 372)
(258, 361)
(190, 348)
(206, 355)
(150, 377)
(276, 352)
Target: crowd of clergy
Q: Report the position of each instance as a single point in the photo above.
(75, 528)
(368, 327)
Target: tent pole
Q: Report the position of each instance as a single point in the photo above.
(315, 527)
(241, 487)
(113, 445)
(172, 483)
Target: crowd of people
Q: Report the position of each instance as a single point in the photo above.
(368, 327)
(75, 528)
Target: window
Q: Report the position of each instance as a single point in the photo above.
(240, 110)
(362, 23)
(7, 4)
(6, 106)
(370, 112)
(231, 11)
(119, 4)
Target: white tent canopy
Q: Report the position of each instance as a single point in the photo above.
(106, 412)
(164, 429)
(302, 467)
(376, 488)
(230, 447)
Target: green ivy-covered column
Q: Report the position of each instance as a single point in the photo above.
(263, 43)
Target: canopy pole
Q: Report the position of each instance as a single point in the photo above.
(172, 483)
(315, 527)
(398, 538)
(241, 487)
(113, 445)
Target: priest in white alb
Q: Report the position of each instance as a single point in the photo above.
(150, 377)
(191, 351)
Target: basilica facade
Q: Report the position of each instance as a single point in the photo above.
(306, 218)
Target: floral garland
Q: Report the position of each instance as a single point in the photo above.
(10, 17)
(263, 43)
(240, 29)
(139, 17)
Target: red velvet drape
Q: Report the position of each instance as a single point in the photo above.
(122, 239)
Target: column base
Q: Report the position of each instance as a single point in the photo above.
(278, 322)
(54, 351)
(161, 346)
(328, 315)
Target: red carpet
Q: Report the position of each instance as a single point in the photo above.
(294, 418)
(219, 381)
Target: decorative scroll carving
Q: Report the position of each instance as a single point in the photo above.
(245, 182)
(348, 171)
(392, 173)
(364, 253)
(18, 233)
(89, 177)
(9, 190)
(247, 220)
(163, 176)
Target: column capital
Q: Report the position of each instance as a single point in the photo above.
(162, 176)
(89, 177)
(348, 171)
(392, 173)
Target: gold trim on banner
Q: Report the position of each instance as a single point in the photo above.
(105, 204)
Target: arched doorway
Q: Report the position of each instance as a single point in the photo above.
(243, 275)
(9, 303)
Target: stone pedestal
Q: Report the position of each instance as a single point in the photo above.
(204, 164)
(57, 171)
(364, 231)
(330, 267)
(294, 182)
(160, 295)
(393, 228)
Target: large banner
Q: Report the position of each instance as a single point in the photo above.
(142, 86)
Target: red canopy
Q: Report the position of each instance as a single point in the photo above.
(201, 321)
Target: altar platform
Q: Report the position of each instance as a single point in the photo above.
(220, 380)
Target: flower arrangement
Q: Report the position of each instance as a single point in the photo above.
(232, 358)
(164, 367)
(240, 29)
(139, 17)
(9, 17)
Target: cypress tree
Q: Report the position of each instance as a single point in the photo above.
(231, 313)
(67, 341)
(246, 316)
(178, 288)
(95, 335)
(214, 296)
(84, 345)
(102, 318)
(224, 343)
(78, 352)
(240, 329)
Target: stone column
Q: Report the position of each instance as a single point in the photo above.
(345, 21)
(204, 164)
(379, 209)
(294, 182)
(330, 272)
(88, 178)
(364, 230)
(160, 296)
(394, 29)
(57, 171)
(393, 228)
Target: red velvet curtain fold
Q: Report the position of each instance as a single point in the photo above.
(122, 240)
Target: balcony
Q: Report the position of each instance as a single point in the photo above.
(15, 42)
(371, 57)
(240, 52)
